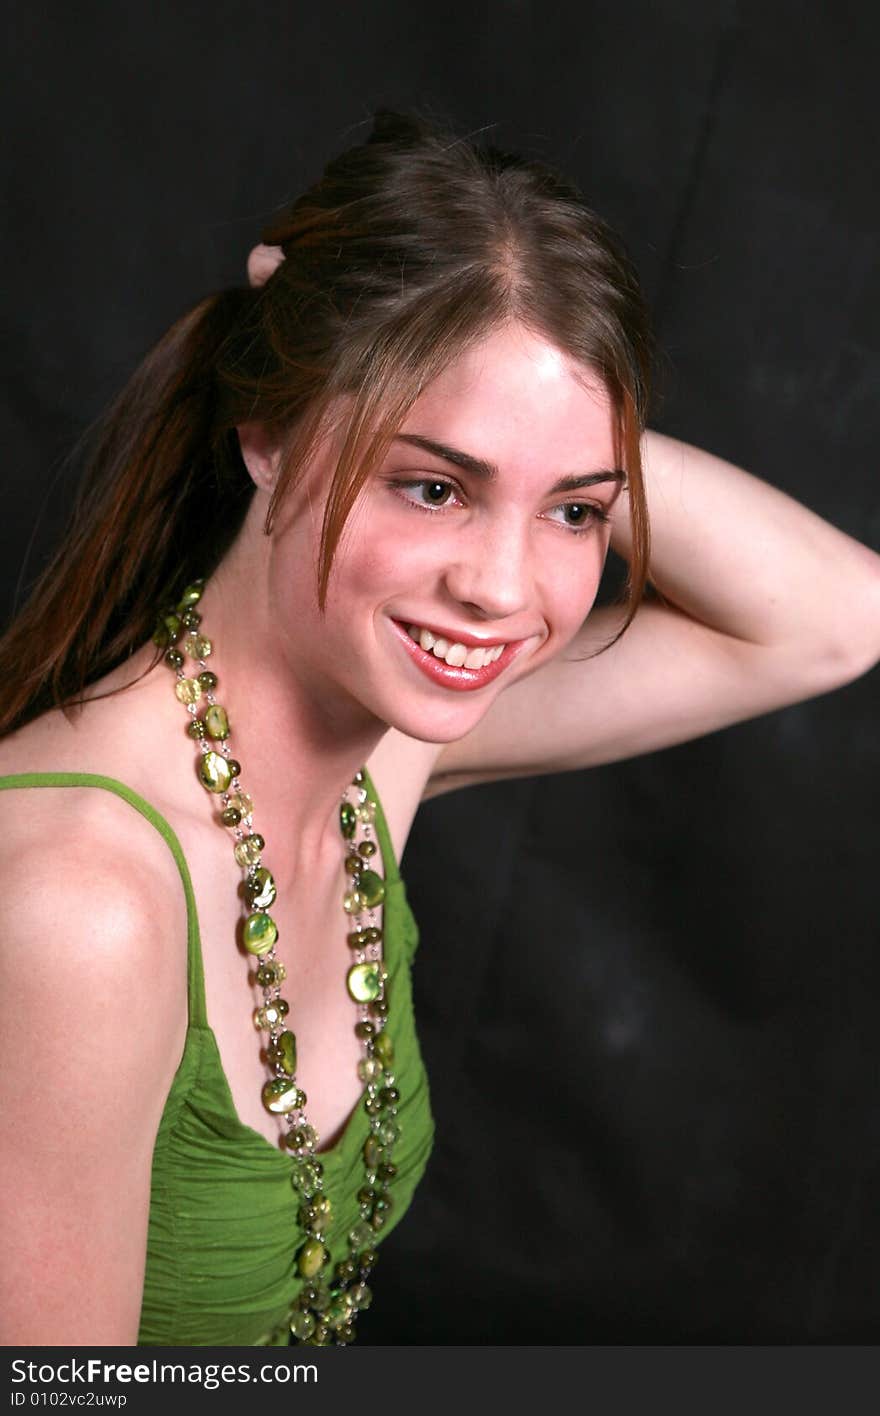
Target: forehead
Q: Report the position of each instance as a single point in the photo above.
(514, 398)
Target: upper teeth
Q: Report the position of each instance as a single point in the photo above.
(456, 655)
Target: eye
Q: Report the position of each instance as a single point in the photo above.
(426, 492)
(579, 516)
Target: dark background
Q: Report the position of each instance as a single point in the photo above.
(648, 1005)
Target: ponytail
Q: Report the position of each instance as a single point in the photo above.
(144, 520)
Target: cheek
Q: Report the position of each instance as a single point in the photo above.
(571, 588)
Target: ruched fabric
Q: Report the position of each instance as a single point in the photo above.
(223, 1228)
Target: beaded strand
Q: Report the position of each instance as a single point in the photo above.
(326, 1307)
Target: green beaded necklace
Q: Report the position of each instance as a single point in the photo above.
(329, 1299)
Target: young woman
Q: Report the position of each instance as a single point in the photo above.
(368, 501)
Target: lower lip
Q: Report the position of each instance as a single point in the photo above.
(459, 680)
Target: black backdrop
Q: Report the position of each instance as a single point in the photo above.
(648, 1008)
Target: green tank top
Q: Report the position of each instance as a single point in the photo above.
(223, 1226)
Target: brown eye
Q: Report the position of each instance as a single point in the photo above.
(436, 492)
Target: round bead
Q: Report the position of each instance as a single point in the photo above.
(367, 848)
(260, 933)
(311, 1258)
(361, 1296)
(197, 646)
(282, 1053)
(383, 1048)
(360, 1235)
(347, 819)
(364, 1029)
(389, 1132)
(240, 801)
(306, 1176)
(217, 722)
(259, 891)
(372, 887)
(379, 1008)
(234, 767)
(369, 1068)
(302, 1325)
(270, 973)
(187, 690)
(174, 658)
(190, 619)
(196, 728)
(389, 1096)
(364, 982)
(229, 816)
(281, 1095)
(247, 852)
(207, 679)
(373, 933)
(214, 772)
(353, 865)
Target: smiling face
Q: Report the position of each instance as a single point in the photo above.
(483, 529)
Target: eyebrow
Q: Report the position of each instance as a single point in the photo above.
(478, 467)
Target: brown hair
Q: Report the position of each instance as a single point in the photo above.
(410, 247)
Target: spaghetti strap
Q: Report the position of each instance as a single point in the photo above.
(195, 973)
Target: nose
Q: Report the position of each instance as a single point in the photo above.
(491, 574)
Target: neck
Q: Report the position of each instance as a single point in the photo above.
(300, 742)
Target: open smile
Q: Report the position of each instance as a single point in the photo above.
(456, 664)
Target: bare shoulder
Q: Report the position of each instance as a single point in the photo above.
(92, 1024)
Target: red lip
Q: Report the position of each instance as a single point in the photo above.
(460, 680)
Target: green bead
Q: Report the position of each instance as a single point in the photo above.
(372, 887)
(197, 646)
(234, 767)
(240, 801)
(353, 902)
(367, 848)
(357, 939)
(207, 679)
(270, 973)
(373, 1152)
(247, 852)
(174, 658)
(190, 619)
(353, 865)
(229, 816)
(339, 1312)
(302, 1325)
(361, 1296)
(369, 1068)
(260, 933)
(259, 891)
(379, 1008)
(347, 819)
(173, 626)
(388, 1133)
(271, 1014)
(214, 772)
(191, 595)
(364, 1029)
(306, 1176)
(282, 1053)
(360, 1235)
(217, 722)
(389, 1096)
(187, 690)
(311, 1258)
(383, 1047)
(281, 1095)
(196, 728)
(364, 982)
(366, 812)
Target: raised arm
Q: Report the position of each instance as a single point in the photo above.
(92, 1013)
(760, 603)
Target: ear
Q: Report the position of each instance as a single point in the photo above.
(261, 454)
